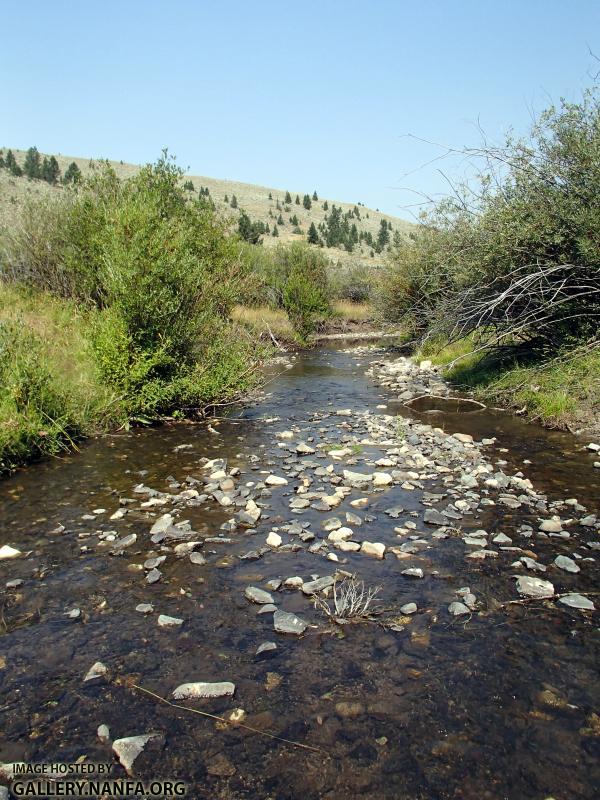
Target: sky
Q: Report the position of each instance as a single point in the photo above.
(306, 95)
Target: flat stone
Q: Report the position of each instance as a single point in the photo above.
(305, 449)
(502, 538)
(567, 564)
(465, 438)
(332, 524)
(347, 547)
(187, 691)
(6, 551)
(356, 478)
(162, 524)
(153, 576)
(408, 608)
(551, 526)
(274, 539)
(97, 670)
(534, 587)
(382, 479)
(265, 647)
(413, 572)
(144, 608)
(276, 480)
(577, 601)
(433, 517)
(168, 622)
(197, 559)
(256, 595)
(457, 609)
(285, 622)
(312, 587)
(340, 535)
(129, 748)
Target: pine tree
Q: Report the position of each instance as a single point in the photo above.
(10, 162)
(277, 205)
(189, 186)
(313, 236)
(275, 231)
(297, 201)
(72, 174)
(325, 206)
(280, 220)
(226, 198)
(50, 171)
(270, 196)
(315, 197)
(306, 202)
(32, 166)
(234, 202)
(1, 159)
(288, 197)
(383, 237)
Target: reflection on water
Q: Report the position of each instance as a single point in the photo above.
(498, 706)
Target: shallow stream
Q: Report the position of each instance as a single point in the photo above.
(498, 704)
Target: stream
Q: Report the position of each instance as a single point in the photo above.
(499, 702)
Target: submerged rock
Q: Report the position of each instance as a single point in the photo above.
(285, 622)
(256, 595)
(567, 564)
(129, 748)
(577, 601)
(534, 587)
(187, 691)
(376, 549)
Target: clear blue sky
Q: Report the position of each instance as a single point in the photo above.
(297, 95)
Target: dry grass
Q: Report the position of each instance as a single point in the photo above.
(263, 320)
(353, 312)
(251, 198)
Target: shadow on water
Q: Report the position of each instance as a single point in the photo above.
(497, 705)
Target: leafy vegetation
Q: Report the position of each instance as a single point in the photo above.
(508, 272)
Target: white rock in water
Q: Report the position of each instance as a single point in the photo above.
(312, 587)
(347, 547)
(162, 524)
(551, 526)
(276, 480)
(274, 539)
(97, 670)
(413, 572)
(340, 535)
(577, 601)
(200, 689)
(285, 435)
(567, 564)
(128, 749)
(356, 477)
(288, 623)
(502, 538)
(6, 551)
(253, 510)
(457, 609)
(534, 587)
(408, 608)
(376, 549)
(145, 608)
(595, 448)
(382, 479)
(256, 595)
(103, 733)
(165, 621)
(465, 438)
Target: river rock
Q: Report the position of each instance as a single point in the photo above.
(577, 601)
(312, 587)
(162, 524)
(187, 691)
(274, 539)
(433, 517)
(567, 564)
(6, 551)
(332, 524)
(376, 549)
(168, 622)
(256, 595)
(382, 479)
(457, 609)
(153, 576)
(464, 438)
(534, 587)
(266, 647)
(413, 572)
(276, 480)
(356, 479)
(305, 449)
(144, 608)
(97, 670)
(340, 535)
(197, 559)
(129, 748)
(285, 622)
(551, 526)
(103, 733)
(408, 608)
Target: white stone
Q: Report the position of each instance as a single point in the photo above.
(187, 691)
(274, 539)
(276, 480)
(382, 479)
(376, 549)
(534, 587)
(129, 748)
(97, 670)
(166, 622)
(6, 551)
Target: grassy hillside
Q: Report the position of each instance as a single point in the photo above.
(259, 202)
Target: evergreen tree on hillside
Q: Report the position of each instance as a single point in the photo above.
(297, 201)
(10, 162)
(234, 202)
(306, 202)
(288, 197)
(383, 237)
(313, 236)
(325, 206)
(275, 231)
(248, 230)
(280, 220)
(32, 166)
(72, 174)
(270, 196)
(315, 197)
(50, 171)
(189, 186)
(226, 198)
(2, 164)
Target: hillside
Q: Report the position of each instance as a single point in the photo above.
(262, 204)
